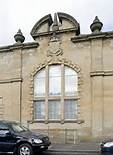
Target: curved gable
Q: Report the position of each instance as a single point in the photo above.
(65, 23)
(42, 25)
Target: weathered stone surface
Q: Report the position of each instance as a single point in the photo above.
(89, 55)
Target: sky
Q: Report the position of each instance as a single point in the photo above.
(23, 14)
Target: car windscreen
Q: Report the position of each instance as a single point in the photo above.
(18, 128)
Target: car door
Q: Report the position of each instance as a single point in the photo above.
(7, 141)
(3, 133)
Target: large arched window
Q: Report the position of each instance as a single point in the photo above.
(55, 93)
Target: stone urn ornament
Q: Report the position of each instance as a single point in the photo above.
(96, 26)
(19, 38)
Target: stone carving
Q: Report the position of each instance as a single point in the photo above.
(57, 60)
(54, 48)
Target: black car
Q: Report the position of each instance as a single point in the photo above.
(107, 146)
(17, 139)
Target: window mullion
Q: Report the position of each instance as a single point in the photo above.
(62, 93)
(46, 93)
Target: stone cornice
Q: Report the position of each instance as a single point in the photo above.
(19, 46)
(11, 80)
(88, 37)
(101, 73)
(57, 32)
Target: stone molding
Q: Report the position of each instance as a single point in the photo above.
(88, 37)
(11, 80)
(45, 19)
(44, 34)
(101, 73)
(19, 46)
(56, 61)
(71, 19)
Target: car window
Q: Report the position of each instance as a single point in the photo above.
(3, 129)
(18, 128)
(3, 126)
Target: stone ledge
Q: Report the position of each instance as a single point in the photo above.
(88, 37)
(51, 33)
(19, 46)
(78, 121)
(101, 73)
(10, 80)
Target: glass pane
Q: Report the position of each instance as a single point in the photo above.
(71, 82)
(70, 109)
(54, 110)
(55, 80)
(39, 84)
(39, 110)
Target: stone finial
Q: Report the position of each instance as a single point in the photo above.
(55, 26)
(19, 38)
(96, 26)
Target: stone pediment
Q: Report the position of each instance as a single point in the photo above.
(64, 22)
(42, 25)
(67, 22)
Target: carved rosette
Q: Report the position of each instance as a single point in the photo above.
(54, 47)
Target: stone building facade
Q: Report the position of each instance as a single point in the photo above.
(62, 83)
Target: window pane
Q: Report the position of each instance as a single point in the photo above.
(54, 110)
(70, 109)
(71, 82)
(39, 83)
(55, 80)
(39, 110)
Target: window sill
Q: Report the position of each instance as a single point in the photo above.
(79, 121)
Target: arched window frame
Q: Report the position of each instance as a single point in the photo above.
(46, 65)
